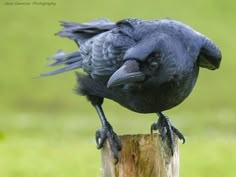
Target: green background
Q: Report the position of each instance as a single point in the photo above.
(47, 130)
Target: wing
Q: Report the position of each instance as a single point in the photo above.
(103, 54)
(102, 45)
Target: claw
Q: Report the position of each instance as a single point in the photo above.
(118, 143)
(100, 138)
(167, 130)
(108, 134)
(154, 126)
(170, 135)
(179, 134)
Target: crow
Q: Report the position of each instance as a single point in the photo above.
(147, 66)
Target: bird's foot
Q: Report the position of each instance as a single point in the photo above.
(107, 133)
(167, 130)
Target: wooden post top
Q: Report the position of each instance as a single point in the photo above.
(141, 156)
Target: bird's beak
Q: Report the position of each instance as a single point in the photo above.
(128, 73)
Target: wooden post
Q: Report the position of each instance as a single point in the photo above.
(141, 156)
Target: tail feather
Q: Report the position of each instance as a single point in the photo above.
(62, 58)
(80, 32)
(68, 61)
(62, 70)
(58, 55)
(98, 24)
(72, 60)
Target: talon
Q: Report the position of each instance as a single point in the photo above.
(167, 130)
(118, 143)
(179, 134)
(100, 138)
(106, 133)
(154, 127)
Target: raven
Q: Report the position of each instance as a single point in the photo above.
(147, 66)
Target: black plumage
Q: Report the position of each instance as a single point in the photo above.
(146, 66)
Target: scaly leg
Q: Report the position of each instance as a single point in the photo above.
(87, 87)
(106, 132)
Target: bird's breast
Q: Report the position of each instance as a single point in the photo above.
(150, 98)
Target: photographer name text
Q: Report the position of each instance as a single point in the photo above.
(27, 3)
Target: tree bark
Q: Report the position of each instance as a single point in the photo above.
(141, 156)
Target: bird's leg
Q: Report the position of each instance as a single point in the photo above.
(166, 130)
(106, 132)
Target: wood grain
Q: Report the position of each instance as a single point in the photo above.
(141, 156)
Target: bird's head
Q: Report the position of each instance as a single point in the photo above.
(134, 70)
(140, 60)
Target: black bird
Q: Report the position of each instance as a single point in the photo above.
(147, 66)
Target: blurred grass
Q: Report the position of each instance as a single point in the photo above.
(63, 145)
(46, 130)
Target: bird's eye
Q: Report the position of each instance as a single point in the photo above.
(153, 65)
(153, 60)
